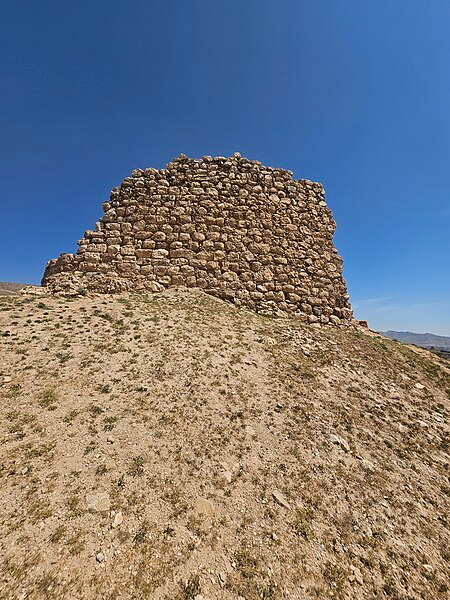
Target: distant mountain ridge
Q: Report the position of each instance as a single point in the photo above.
(427, 340)
(10, 288)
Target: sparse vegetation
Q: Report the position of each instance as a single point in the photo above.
(137, 466)
(191, 587)
(48, 399)
(186, 414)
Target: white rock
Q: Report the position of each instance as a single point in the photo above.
(98, 502)
(118, 519)
(204, 507)
(281, 499)
(367, 464)
(334, 439)
(357, 574)
(227, 476)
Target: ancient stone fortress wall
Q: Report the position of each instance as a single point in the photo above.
(239, 230)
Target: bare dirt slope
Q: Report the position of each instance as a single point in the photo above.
(172, 446)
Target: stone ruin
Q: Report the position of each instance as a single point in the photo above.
(240, 231)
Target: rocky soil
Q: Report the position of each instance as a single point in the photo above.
(173, 446)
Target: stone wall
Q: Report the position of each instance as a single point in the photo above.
(239, 230)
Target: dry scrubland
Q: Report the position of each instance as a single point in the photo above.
(173, 446)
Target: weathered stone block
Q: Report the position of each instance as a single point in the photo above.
(144, 253)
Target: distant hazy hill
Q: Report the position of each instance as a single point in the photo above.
(425, 340)
(7, 288)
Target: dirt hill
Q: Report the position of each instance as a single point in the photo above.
(174, 446)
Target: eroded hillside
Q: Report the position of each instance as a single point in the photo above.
(173, 446)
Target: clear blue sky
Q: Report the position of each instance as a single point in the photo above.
(352, 93)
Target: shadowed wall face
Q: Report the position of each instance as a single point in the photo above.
(241, 231)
